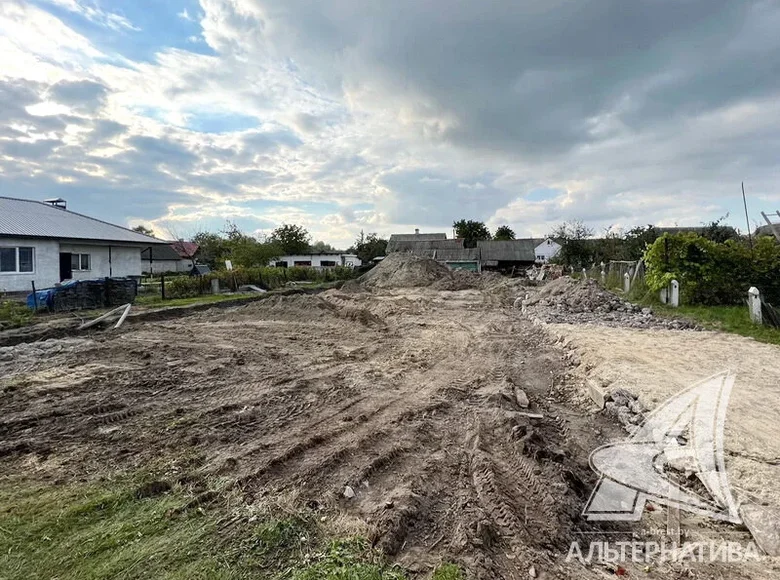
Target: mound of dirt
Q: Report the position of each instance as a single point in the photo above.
(400, 270)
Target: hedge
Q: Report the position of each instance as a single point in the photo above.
(267, 278)
(712, 273)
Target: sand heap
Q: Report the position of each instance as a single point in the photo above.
(401, 270)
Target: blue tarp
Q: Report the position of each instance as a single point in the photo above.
(46, 296)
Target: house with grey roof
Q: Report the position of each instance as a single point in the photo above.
(45, 243)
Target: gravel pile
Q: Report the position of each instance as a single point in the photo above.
(570, 301)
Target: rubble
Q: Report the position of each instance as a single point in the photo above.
(401, 270)
(570, 301)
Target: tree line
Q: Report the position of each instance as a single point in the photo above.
(248, 251)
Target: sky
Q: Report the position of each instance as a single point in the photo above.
(386, 116)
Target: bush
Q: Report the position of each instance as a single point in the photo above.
(714, 273)
(14, 314)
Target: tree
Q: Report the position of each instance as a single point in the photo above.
(368, 247)
(213, 248)
(143, 230)
(471, 231)
(576, 250)
(504, 233)
(321, 248)
(291, 239)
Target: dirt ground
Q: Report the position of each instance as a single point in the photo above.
(657, 364)
(396, 406)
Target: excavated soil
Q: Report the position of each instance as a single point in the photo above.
(409, 397)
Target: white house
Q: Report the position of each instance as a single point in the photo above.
(43, 242)
(323, 260)
(547, 250)
(176, 256)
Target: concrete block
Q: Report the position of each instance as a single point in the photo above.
(597, 394)
(764, 524)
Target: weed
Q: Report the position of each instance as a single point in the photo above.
(448, 572)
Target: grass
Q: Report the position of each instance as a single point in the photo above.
(14, 314)
(123, 529)
(156, 300)
(734, 319)
(448, 572)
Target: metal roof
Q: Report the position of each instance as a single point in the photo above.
(160, 253)
(27, 218)
(522, 250)
(401, 242)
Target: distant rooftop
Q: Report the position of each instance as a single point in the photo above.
(35, 219)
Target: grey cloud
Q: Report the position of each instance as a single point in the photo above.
(85, 96)
(422, 197)
(528, 76)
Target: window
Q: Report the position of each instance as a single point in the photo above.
(302, 263)
(80, 262)
(13, 260)
(327, 263)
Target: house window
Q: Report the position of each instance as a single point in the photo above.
(13, 260)
(327, 263)
(80, 262)
(302, 263)
(541, 258)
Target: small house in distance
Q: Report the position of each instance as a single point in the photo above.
(321, 260)
(177, 256)
(45, 243)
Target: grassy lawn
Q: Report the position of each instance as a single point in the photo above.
(128, 529)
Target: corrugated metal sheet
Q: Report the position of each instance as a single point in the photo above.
(509, 251)
(27, 218)
(457, 255)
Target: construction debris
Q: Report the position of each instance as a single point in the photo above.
(571, 301)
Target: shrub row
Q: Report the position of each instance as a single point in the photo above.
(714, 273)
(267, 278)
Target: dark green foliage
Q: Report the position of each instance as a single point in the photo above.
(714, 273)
(290, 239)
(368, 247)
(504, 233)
(471, 231)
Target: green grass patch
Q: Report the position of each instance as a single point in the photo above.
(157, 300)
(735, 319)
(135, 528)
(14, 314)
(448, 572)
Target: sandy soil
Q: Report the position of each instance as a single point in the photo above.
(405, 396)
(657, 364)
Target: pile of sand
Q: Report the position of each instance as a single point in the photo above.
(401, 270)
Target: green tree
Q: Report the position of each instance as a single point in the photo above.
(291, 239)
(143, 230)
(471, 231)
(504, 233)
(576, 249)
(321, 248)
(368, 247)
(213, 249)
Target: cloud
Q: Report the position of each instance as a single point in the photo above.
(347, 115)
(92, 12)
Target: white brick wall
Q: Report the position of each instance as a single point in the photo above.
(46, 264)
